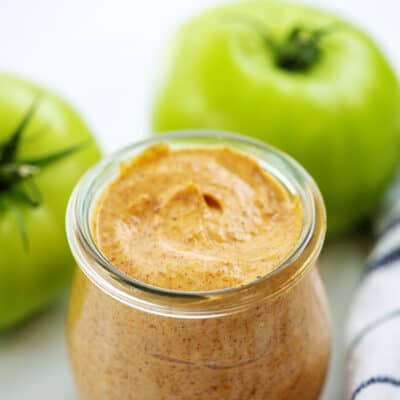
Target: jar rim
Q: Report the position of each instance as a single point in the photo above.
(86, 194)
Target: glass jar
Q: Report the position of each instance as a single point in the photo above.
(269, 339)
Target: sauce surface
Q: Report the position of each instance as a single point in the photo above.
(196, 219)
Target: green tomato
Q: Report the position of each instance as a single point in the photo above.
(39, 167)
(300, 79)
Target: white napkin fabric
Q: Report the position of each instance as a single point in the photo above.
(373, 336)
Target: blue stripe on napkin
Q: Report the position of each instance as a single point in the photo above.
(386, 260)
(371, 326)
(375, 380)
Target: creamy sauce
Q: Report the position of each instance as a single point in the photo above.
(196, 219)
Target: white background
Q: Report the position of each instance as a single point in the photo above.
(104, 54)
(104, 57)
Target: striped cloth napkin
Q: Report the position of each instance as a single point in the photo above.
(373, 339)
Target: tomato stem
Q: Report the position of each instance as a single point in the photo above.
(298, 51)
(17, 187)
(11, 173)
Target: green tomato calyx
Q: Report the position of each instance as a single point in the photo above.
(299, 50)
(17, 184)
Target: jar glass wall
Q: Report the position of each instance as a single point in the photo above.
(269, 339)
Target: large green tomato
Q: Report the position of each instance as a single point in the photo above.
(299, 79)
(44, 149)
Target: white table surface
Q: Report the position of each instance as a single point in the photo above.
(104, 57)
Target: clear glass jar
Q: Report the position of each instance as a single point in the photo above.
(268, 340)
